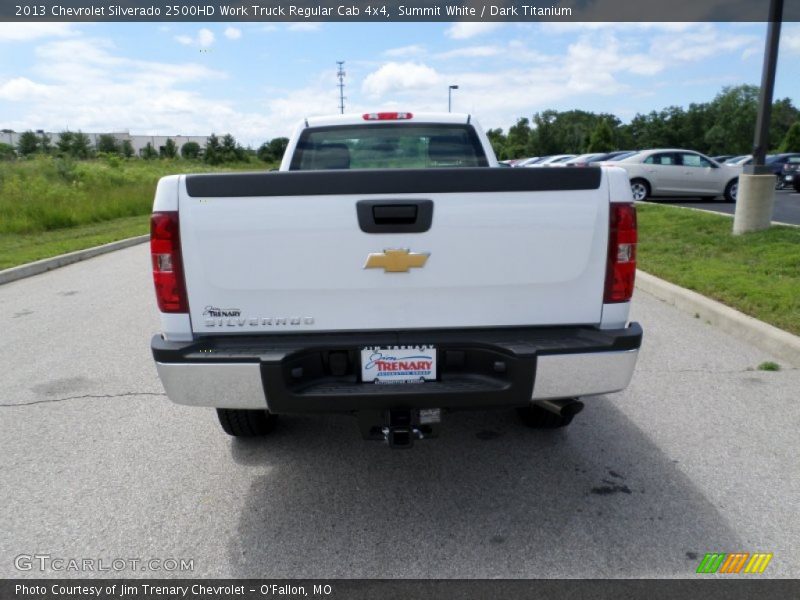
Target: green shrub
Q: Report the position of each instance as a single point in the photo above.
(168, 150)
(190, 150)
(28, 143)
(108, 144)
(7, 152)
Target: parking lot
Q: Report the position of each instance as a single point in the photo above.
(698, 455)
(786, 208)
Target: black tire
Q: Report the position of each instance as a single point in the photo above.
(732, 190)
(537, 417)
(246, 423)
(640, 189)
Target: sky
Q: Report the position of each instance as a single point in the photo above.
(256, 80)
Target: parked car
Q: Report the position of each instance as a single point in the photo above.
(722, 158)
(550, 160)
(614, 156)
(789, 175)
(738, 159)
(677, 172)
(775, 163)
(582, 160)
(524, 162)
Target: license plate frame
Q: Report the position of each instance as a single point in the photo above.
(399, 364)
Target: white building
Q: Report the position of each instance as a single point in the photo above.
(137, 141)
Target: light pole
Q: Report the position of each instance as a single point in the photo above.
(450, 97)
(756, 187)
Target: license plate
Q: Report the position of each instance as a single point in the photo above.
(402, 364)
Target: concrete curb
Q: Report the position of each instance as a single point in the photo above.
(62, 260)
(768, 338)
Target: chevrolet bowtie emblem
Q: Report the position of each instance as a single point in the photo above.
(396, 260)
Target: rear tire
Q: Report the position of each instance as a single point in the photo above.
(537, 417)
(732, 190)
(640, 189)
(246, 423)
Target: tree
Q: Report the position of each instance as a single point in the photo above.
(230, 150)
(81, 145)
(74, 144)
(602, 138)
(148, 152)
(518, 138)
(7, 152)
(169, 149)
(791, 141)
(126, 148)
(64, 143)
(45, 145)
(263, 153)
(212, 153)
(190, 150)
(108, 143)
(498, 141)
(272, 150)
(278, 147)
(29, 143)
(784, 115)
(733, 112)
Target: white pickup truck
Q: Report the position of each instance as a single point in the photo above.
(392, 270)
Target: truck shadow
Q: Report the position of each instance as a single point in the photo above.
(490, 498)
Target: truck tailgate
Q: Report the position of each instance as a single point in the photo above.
(287, 251)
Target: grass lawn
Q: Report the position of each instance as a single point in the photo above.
(757, 273)
(20, 248)
(51, 205)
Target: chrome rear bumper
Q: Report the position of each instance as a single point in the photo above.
(256, 373)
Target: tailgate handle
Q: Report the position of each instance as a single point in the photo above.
(394, 216)
(397, 214)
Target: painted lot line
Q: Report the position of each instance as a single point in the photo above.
(698, 455)
(786, 209)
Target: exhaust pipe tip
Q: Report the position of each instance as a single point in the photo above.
(572, 409)
(565, 407)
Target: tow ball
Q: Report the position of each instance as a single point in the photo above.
(400, 426)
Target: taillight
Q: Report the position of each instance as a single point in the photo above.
(621, 266)
(387, 116)
(165, 251)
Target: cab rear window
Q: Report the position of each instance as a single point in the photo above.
(388, 146)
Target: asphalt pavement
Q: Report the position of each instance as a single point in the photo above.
(698, 455)
(786, 208)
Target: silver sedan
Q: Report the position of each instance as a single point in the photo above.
(676, 172)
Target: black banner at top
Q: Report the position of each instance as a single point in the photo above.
(563, 11)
